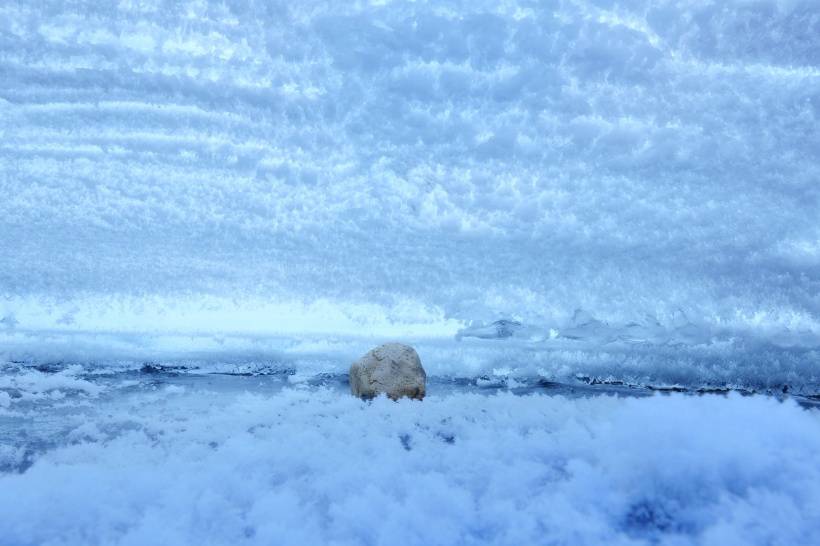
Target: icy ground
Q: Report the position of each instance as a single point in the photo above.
(162, 455)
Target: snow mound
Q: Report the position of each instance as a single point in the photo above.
(313, 466)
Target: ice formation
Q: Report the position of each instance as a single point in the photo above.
(209, 209)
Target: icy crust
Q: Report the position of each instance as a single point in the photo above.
(23, 385)
(715, 364)
(314, 466)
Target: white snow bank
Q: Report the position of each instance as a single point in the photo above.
(316, 467)
(340, 167)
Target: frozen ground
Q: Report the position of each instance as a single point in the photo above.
(208, 209)
(169, 456)
(170, 461)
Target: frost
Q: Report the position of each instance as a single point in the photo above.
(304, 466)
(261, 169)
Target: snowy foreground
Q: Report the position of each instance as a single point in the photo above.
(179, 459)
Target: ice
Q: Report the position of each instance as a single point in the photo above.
(727, 362)
(500, 329)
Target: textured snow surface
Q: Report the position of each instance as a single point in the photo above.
(583, 192)
(394, 168)
(177, 464)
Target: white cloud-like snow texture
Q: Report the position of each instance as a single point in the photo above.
(465, 159)
(179, 466)
(209, 209)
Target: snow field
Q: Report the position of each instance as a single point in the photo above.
(184, 466)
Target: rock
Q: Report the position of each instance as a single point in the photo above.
(393, 369)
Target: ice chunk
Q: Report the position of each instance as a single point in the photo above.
(499, 329)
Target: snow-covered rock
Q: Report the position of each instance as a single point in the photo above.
(393, 369)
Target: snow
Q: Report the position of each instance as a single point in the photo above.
(315, 466)
(209, 209)
(401, 168)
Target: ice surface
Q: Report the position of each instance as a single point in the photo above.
(721, 363)
(171, 464)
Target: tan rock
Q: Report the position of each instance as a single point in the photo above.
(393, 369)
